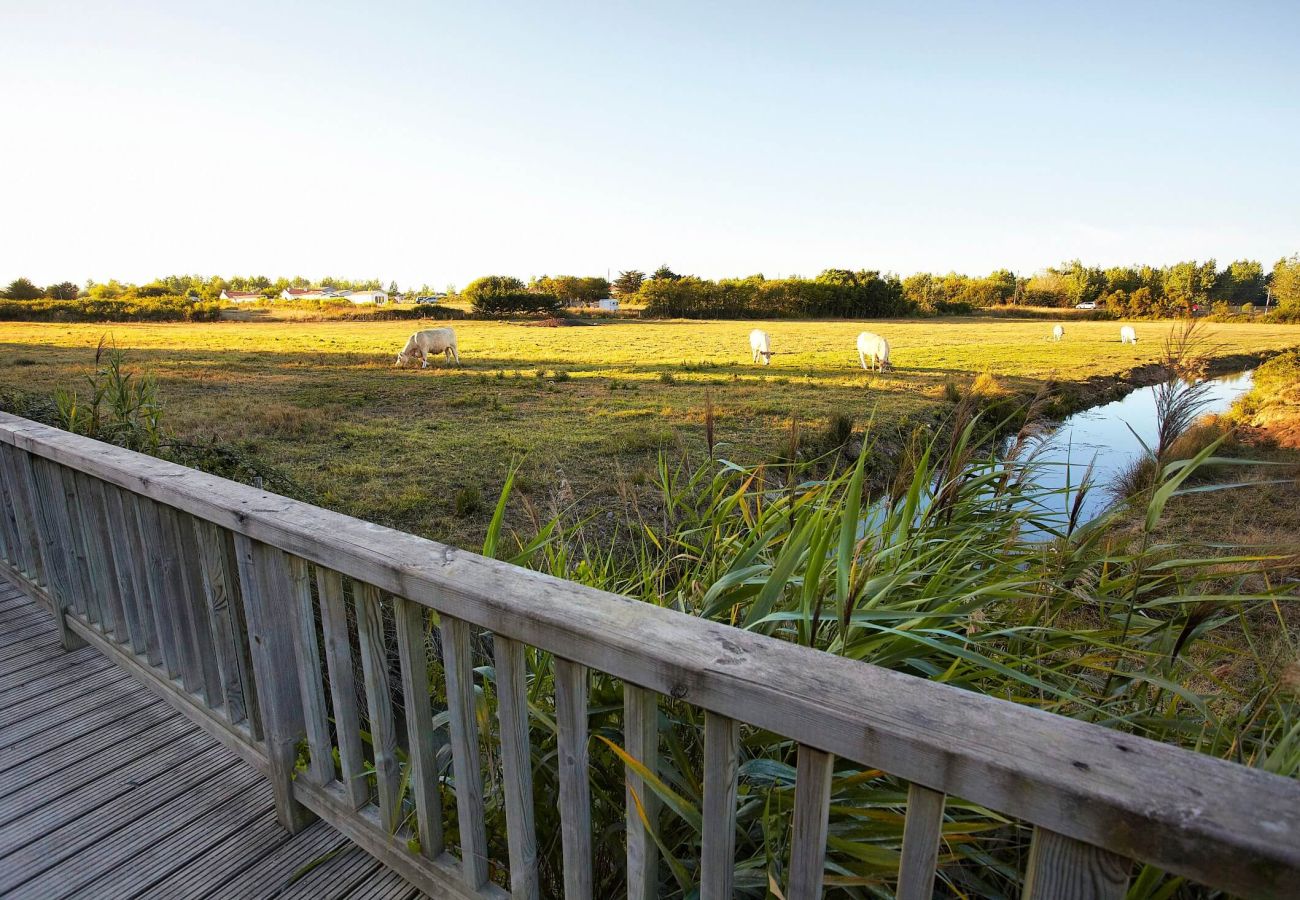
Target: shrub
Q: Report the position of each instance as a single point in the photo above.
(500, 295)
(85, 309)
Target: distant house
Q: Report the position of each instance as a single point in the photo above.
(242, 296)
(608, 304)
(305, 293)
(376, 297)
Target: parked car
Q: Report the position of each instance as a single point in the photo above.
(431, 298)
(1086, 304)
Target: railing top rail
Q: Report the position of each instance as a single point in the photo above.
(1217, 822)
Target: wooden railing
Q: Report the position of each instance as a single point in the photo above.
(236, 605)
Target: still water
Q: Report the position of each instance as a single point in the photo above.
(1104, 435)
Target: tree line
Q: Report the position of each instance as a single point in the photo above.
(1128, 291)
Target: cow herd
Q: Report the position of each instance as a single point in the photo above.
(873, 350)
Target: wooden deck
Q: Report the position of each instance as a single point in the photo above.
(107, 791)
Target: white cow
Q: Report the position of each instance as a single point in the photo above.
(431, 340)
(877, 348)
(1127, 335)
(761, 345)
(1058, 332)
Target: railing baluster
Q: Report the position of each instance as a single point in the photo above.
(374, 665)
(575, 792)
(89, 499)
(219, 587)
(194, 596)
(419, 724)
(130, 561)
(718, 856)
(148, 540)
(641, 741)
(343, 689)
(315, 710)
(516, 765)
(459, 667)
(812, 797)
(119, 553)
(78, 558)
(174, 601)
(1061, 868)
(103, 583)
(9, 550)
(20, 508)
(921, 832)
(266, 588)
(59, 558)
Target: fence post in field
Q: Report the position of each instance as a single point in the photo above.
(267, 590)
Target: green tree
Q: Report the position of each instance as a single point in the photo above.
(22, 289)
(628, 283)
(663, 273)
(1188, 285)
(1242, 282)
(64, 290)
(1284, 285)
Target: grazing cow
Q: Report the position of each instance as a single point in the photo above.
(432, 340)
(1127, 335)
(761, 345)
(876, 347)
(1058, 332)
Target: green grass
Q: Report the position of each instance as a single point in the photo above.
(322, 400)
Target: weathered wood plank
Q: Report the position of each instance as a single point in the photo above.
(128, 562)
(641, 741)
(459, 667)
(118, 553)
(516, 766)
(439, 878)
(343, 689)
(575, 789)
(383, 732)
(315, 709)
(812, 798)
(1084, 781)
(721, 762)
(9, 550)
(180, 608)
(1061, 868)
(148, 532)
(53, 534)
(194, 596)
(921, 832)
(89, 494)
(221, 589)
(266, 589)
(419, 725)
(20, 512)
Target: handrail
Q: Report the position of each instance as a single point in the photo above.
(1086, 788)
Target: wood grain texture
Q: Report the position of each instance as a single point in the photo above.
(459, 667)
(1129, 795)
(315, 710)
(721, 762)
(641, 741)
(812, 797)
(379, 703)
(921, 832)
(516, 766)
(220, 588)
(194, 595)
(575, 787)
(343, 688)
(1061, 868)
(267, 591)
(419, 725)
(149, 534)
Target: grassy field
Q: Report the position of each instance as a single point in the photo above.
(586, 408)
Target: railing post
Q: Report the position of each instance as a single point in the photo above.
(1062, 868)
(54, 543)
(267, 590)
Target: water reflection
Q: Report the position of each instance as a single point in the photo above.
(1104, 436)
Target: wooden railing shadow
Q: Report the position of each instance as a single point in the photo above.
(250, 613)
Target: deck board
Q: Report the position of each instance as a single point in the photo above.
(107, 791)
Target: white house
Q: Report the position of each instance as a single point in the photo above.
(376, 297)
(241, 296)
(608, 304)
(305, 294)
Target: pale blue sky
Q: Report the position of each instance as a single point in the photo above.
(437, 142)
